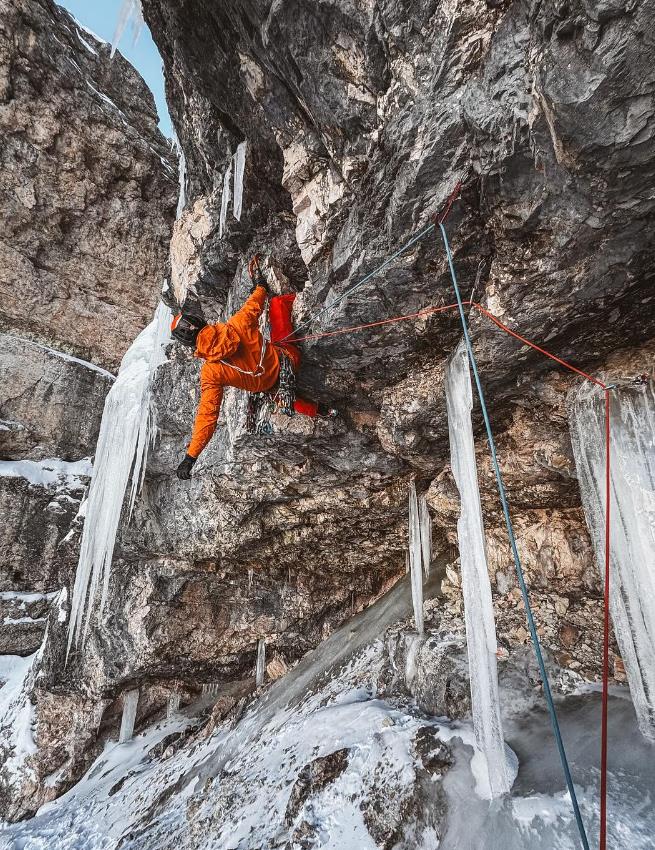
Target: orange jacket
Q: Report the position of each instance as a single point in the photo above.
(238, 343)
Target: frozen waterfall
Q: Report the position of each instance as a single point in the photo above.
(239, 168)
(632, 550)
(476, 588)
(260, 667)
(416, 556)
(126, 431)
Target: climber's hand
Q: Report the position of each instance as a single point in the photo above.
(183, 471)
(256, 274)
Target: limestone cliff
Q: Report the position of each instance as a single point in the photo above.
(88, 188)
(358, 120)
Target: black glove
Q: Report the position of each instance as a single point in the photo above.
(183, 471)
(256, 274)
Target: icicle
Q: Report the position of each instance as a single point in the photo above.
(130, 11)
(225, 200)
(211, 690)
(476, 587)
(173, 705)
(425, 521)
(632, 464)
(251, 573)
(127, 428)
(130, 704)
(239, 168)
(261, 661)
(415, 555)
(181, 167)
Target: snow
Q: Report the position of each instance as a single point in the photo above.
(127, 428)
(26, 598)
(87, 45)
(16, 713)
(130, 12)
(476, 587)
(415, 557)
(52, 472)
(230, 791)
(239, 168)
(260, 667)
(225, 200)
(632, 586)
(15, 621)
(130, 705)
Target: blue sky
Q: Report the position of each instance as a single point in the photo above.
(101, 17)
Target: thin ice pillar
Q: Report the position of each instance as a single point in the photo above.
(130, 704)
(476, 587)
(632, 547)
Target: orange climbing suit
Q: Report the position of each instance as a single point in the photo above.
(238, 343)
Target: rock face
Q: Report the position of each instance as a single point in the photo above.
(88, 188)
(359, 119)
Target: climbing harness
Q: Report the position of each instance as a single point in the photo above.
(278, 400)
(459, 306)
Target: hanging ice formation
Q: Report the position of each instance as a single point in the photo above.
(476, 588)
(415, 557)
(130, 704)
(181, 166)
(261, 661)
(425, 522)
(130, 11)
(225, 200)
(632, 548)
(126, 431)
(173, 705)
(239, 168)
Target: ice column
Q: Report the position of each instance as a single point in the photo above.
(425, 522)
(225, 200)
(130, 11)
(181, 166)
(173, 705)
(127, 429)
(415, 557)
(478, 606)
(239, 168)
(130, 704)
(261, 661)
(632, 551)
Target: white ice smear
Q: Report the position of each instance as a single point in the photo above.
(632, 526)
(476, 588)
(173, 705)
(127, 429)
(415, 557)
(239, 168)
(130, 705)
(260, 667)
(225, 200)
(130, 12)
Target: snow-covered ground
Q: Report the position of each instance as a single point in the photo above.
(326, 758)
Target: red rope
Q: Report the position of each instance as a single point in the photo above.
(606, 614)
(606, 637)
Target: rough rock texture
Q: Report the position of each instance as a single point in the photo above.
(359, 118)
(88, 187)
(88, 184)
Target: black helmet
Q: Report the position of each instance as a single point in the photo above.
(185, 328)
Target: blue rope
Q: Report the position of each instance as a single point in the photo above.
(515, 553)
(364, 280)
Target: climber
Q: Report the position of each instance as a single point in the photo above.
(236, 355)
